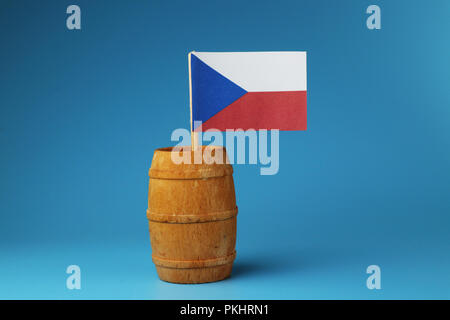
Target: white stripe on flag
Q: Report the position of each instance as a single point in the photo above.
(260, 71)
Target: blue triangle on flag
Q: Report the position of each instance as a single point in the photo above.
(211, 91)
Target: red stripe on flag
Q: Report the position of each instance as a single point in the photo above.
(284, 110)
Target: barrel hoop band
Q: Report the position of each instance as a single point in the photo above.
(191, 218)
(191, 264)
(191, 174)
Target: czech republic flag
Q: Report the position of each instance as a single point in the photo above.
(248, 90)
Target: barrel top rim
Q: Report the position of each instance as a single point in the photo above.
(186, 148)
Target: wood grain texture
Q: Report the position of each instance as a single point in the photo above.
(192, 217)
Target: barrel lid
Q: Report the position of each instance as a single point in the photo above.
(184, 163)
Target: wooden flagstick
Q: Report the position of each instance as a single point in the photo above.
(194, 135)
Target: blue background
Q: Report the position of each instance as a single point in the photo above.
(368, 183)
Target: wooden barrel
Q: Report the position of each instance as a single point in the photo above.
(192, 216)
